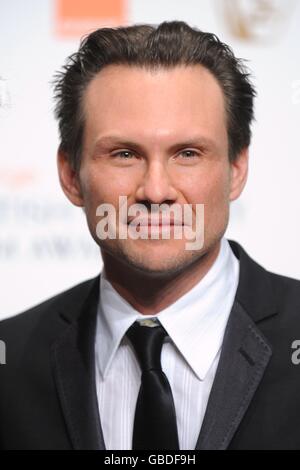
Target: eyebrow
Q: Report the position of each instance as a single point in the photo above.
(115, 140)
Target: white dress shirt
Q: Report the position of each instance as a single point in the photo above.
(195, 324)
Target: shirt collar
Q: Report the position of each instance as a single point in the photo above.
(196, 322)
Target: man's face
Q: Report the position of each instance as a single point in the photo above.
(156, 137)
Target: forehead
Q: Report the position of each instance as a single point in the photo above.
(140, 99)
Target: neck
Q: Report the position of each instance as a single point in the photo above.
(150, 295)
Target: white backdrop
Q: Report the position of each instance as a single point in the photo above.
(45, 246)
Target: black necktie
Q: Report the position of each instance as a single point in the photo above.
(155, 419)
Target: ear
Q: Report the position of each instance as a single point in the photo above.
(239, 174)
(69, 179)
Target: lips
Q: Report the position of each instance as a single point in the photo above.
(154, 222)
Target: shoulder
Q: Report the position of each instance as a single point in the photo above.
(45, 315)
(285, 284)
(287, 293)
(265, 294)
(253, 274)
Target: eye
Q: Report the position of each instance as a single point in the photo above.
(189, 154)
(124, 154)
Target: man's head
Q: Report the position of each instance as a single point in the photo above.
(160, 115)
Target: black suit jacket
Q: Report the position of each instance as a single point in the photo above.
(47, 387)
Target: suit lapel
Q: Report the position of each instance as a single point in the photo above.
(72, 358)
(244, 357)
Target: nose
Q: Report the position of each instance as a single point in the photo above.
(156, 186)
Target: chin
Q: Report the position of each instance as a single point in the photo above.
(160, 264)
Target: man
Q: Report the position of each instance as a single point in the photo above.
(172, 347)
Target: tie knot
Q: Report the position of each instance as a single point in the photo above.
(147, 342)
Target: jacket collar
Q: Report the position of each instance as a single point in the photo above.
(255, 291)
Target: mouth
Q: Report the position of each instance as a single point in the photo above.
(154, 222)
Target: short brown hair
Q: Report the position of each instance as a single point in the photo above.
(166, 45)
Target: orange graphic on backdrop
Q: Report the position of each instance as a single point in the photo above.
(76, 18)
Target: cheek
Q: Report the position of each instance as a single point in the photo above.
(100, 185)
(217, 205)
(211, 188)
